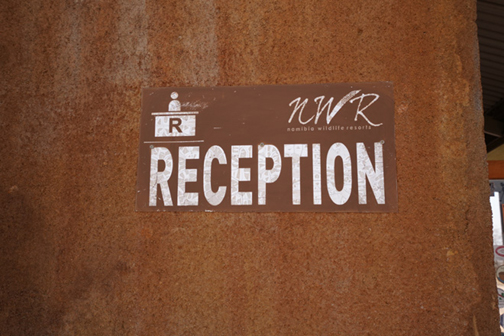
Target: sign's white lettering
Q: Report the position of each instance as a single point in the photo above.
(330, 114)
(367, 172)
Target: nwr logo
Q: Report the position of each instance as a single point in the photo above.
(299, 107)
(175, 123)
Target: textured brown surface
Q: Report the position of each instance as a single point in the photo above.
(77, 260)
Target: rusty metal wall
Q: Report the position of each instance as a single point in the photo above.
(77, 260)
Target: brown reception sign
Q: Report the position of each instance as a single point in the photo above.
(320, 147)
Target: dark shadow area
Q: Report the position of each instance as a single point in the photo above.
(24, 296)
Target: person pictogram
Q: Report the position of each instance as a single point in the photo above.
(174, 105)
